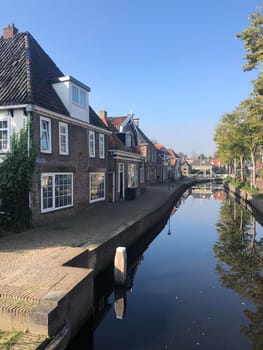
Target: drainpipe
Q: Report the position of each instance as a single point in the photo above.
(29, 110)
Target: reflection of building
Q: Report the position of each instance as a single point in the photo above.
(219, 194)
(208, 191)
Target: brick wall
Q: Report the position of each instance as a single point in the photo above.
(77, 162)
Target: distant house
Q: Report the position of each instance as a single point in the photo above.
(126, 165)
(175, 164)
(202, 166)
(71, 166)
(149, 153)
(218, 165)
(185, 167)
(164, 162)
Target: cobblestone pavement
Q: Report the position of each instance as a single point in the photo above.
(23, 256)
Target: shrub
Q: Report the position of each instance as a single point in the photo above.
(15, 181)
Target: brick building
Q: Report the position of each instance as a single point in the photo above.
(71, 166)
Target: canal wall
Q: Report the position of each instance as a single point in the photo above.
(247, 199)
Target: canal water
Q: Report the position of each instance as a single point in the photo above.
(195, 283)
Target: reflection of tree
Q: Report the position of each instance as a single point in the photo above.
(241, 264)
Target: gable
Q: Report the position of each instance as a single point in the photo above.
(25, 74)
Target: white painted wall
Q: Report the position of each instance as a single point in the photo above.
(63, 90)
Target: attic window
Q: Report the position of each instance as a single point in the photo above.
(79, 96)
(128, 140)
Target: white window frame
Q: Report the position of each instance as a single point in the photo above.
(65, 136)
(92, 144)
(90, 187)
(53, 190)
(128, 140)
(81, 96)
(101, 146)
(8, 133)
(132, 175)
(49, 137)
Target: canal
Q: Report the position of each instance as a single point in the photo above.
(195, 282)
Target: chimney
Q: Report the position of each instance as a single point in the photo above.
(136, 121)
(103, 117)
(9, 31)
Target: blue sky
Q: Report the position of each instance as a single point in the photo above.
(175, 64)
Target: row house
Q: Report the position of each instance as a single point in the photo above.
(126, 165)
(148, 151)
(72, 162)
(163, 163)
(175, 163)
(83, 159)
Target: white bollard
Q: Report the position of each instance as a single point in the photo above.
(120, 302)
(120, 266)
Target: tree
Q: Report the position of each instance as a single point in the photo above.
(16, 179)
(253, 43)
(229, 139)
(253, 40)
(251, 112)
(239, 135)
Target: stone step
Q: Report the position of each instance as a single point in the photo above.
(29, 294)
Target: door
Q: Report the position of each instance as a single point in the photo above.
(121, 186)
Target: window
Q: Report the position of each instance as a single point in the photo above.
(63, 138)
(128, 140)
(142, 174)
(91, 143)
(101, 146)
(97, 187)
(45, 135)
(79, 96)
(4, 134)
(132, 175)
(56, 191)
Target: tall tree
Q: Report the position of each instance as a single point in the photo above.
(251, 112)
(253, 43)
(253, 40)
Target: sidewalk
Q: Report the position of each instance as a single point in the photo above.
(31, 262)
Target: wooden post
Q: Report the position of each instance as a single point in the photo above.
(120, 266)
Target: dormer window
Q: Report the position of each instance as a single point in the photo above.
(74, 95)
(79, 96)
(128, 140)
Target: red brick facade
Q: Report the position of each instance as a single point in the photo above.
(76, 162)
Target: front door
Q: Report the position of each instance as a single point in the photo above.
(121, 181)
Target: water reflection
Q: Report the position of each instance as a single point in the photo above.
(178, 293)
(240, 263)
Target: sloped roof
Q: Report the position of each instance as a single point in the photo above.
(142, 137)
(26, 72)
(161, 148)
(95, 119)
(117, 121)
(114, 141)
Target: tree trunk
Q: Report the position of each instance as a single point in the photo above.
(253, 169)
(241, 167)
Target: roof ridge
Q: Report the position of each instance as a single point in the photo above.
(28, 68)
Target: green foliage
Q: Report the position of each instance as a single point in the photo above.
(239, 254)
(253, 40)
(9, 339)
(261, 173)
(16, 179)
(239, 134)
